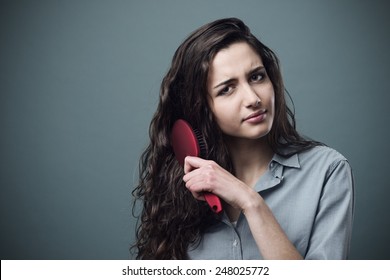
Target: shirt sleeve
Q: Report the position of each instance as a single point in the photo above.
(331, 234)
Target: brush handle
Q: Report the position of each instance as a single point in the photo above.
(213, 201)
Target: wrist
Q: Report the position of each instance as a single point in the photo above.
(253, 205)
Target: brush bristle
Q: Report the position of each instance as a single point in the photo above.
(201, 142)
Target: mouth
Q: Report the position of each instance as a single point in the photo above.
(256, 117)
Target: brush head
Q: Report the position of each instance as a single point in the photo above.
(184, 141)
(188, 142)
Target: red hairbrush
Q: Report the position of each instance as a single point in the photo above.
(188, 142)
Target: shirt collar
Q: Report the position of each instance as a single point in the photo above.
(291, 161)
(274, 176)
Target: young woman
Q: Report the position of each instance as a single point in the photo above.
(284, 197)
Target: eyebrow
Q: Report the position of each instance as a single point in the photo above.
(225, 83)
(259, 68)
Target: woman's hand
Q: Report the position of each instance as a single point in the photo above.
(204, 175)
(207, 176)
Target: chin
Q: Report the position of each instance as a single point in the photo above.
(248, 133)
(251, 136)
(258, 134)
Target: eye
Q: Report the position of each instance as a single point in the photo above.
(256, 77)
(226, 90)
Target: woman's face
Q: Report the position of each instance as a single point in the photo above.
(237, 81)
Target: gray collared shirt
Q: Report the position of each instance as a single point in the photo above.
(311, 195)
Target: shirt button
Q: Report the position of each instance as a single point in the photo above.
(235, 243)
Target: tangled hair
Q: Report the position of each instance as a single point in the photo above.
(171, 218)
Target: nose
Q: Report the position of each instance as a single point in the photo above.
(250, 97)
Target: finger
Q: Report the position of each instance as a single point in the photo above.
(195, 182)
(198, 195)
(194, 173)
(191, 163)
(195, 186)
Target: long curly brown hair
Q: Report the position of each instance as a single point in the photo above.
(171, 219)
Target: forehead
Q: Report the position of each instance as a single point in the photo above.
(233, 59)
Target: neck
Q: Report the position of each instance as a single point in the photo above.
(250, 158)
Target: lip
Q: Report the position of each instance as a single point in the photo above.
(256, 117)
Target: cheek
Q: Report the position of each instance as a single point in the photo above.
(223, 114)
(270, 99)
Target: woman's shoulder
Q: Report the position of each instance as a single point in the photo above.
(321, 155)
(322, 151)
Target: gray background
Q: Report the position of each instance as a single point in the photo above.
(79, 82)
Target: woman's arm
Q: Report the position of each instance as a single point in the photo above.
(270, 238)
